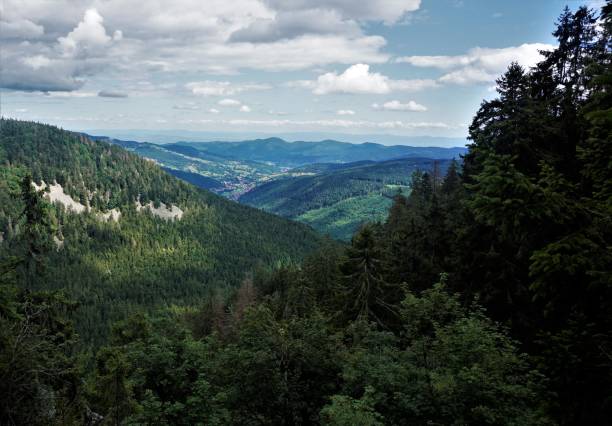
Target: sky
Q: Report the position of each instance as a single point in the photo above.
(376, 67)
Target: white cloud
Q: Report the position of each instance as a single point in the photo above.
(479, 65)
(283, 55)
(358, 79)
(187, 106)
(292, 24)
(389, 11)
(21, 28)
(87, 37)
(63, 54)
(398, 106)
(339, 123)
(355, 79)
(71, 94)
(36, 61)
(213, 111)
(469, 75)
(91, 37)
(345, 112)
(222, 88)
(229, 102)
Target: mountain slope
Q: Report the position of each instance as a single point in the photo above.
(228, 177)
(140, 261)
(337, 198)
(294, 154)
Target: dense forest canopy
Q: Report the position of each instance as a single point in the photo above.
(336, 199)
(140, 261)
(484, 299)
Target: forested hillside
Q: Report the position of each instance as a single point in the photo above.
(140, 261)
(484, 299)
(261, 173)
(227, 177)
(336, 198)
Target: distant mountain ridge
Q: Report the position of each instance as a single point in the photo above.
(171, 136)
(224, 176)
(295, 154)
(332, 186)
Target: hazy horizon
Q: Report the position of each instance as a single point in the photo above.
(176, 135)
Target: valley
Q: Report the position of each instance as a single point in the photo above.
(332, 186)
(172, 277)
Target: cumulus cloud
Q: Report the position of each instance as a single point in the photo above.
(399, 106)
(358, 79)
(479, 65)
(345, 112)
(213, 111)
(87, 37)
(160, 36)
(222, 88)
(245, 108)
(112, 94)
(53, 63)
(355, 79)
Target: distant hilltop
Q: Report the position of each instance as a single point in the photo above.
(170, 136)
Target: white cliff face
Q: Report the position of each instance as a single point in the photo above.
(56, 194)
(114, 215)
(59, 244)
(164, 211)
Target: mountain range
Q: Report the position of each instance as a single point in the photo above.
(332, 186)
(164, 136)
(293, 154)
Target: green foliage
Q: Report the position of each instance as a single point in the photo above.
(336, 199)
(364, 291)
(516, 331)
(347, 411)
(341, 219)
(536, 241)
(140, 262)
(39, 375)
(457, 367)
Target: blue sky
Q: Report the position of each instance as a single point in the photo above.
(401, 67)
